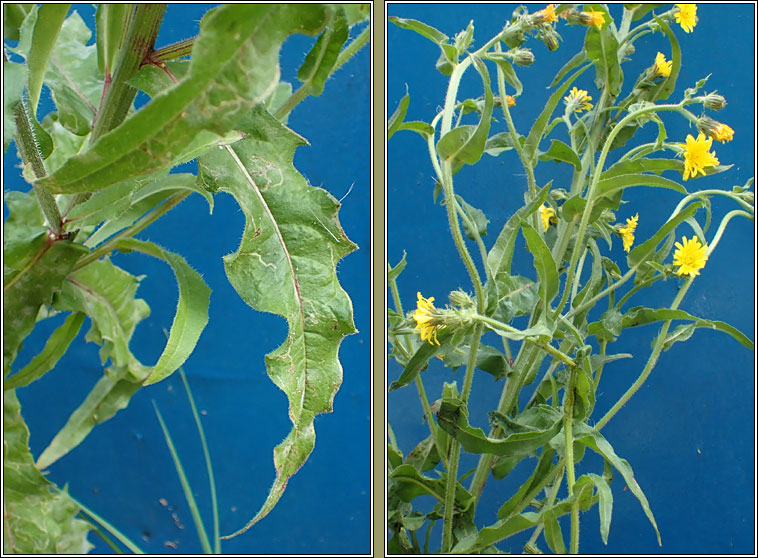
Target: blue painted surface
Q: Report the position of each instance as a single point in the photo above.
(123, 470)
(689, 432)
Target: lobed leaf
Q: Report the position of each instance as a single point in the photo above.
(36, 520)
(286, 265)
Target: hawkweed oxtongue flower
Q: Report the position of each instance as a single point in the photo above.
(686, 16)
(690, 256)
(547, 216)
(545, 15)
(627, 232)
(577, 100)
(430, 320)
(714, 129)
(697, 155)
(579, 17)
(661, 67)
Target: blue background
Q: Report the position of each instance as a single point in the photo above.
(123, 468)
(689, 431)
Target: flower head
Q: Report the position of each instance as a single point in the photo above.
(426, 317)
(662, 68)
(690, 256)
(697, 156)
(627, 232)
(546, 15)
(686, 16)
(547, 215)
(593, 18)
(714, 129)
(510, 101)
(578, 100)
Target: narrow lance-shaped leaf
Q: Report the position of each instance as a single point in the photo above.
(234, 67)
(543, 262)
(396, 120)
(55, 348)
(320, 60)
(191, 311)
(49, 22)
(453, 420)
(286, 265)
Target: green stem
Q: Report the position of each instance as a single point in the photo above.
(304, 90)
(173, 52)
(568, 422)
(118, 94)
(30, 155)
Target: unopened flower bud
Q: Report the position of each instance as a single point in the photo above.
(714, 101)
(523, 56)
(551, 42)
(460, 299)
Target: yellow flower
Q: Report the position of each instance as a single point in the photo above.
(425, 317)
(690, 256)
(714, 129)
(546, 216)
(686, 16)
(594, 18)
(662, 68)
(697, 156)
(627, 232)
(510, 101)
(546, 15)
(578, 100)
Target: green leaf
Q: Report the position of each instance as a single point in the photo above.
(640, 10)
(418, 361)
(421, 28)
(629, 166)
(543, 263)
(594, 440)
(320, 60)
(640, 315)
(14, 81)
(106, 294)
(111, 23)
(191, 311)
(452, 418)
(553, 534)
(407, 483)
(500, 255)
(466, 144)
(110, 394)
(537, 479)
(394, 272)
(643, 252)
(73, 77)
(497, 532)
(355, 13)
(49, 22)
(419, 127)
(37, 520)
(509, 73)
(286, 265)
(56, 346)
(608, 186)
(601, 47)
(499, 143)
(559, 151)
(477, 217)
(25, 291)
(577, 60)
(235, 59)
(13, 17)
(488, 359)
(395, 121)
(543, 120)
(605, 509)
(664, 89)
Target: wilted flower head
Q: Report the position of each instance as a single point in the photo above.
(546, 15)
(714, 129)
